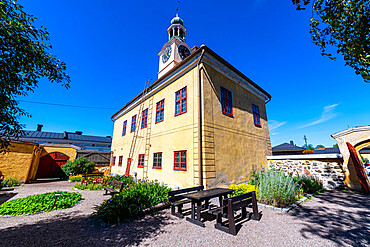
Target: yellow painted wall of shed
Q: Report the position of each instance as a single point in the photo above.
(17, 162)
(174, 133)
(69, 151)
(233, 146)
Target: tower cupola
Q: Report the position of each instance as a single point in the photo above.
(177, 29)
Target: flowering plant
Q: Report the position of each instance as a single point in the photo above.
(308, 151)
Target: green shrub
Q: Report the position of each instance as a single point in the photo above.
(241, 189)
(126, 180)
(76, 178)
(309, 184)
(275, 188)
(78, 166)
(131, 201)
(89, 186)
(39, 203)
(9, 182)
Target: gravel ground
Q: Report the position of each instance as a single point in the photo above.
(335, 218)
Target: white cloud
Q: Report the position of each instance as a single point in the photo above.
(274, 133)
(273, 124)
(327, 114)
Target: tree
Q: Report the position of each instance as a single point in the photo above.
(335, 145)
(78, 166)
(344, 25)
(319, 146)
(24, 59)
(309, 146)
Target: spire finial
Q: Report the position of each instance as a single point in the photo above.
(177, 8)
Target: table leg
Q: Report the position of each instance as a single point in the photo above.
(220, 199)
(193, 209)
(199, 207)
(195, 216)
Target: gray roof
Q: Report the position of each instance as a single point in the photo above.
(30, 134)
(286, 147)
(327, 151)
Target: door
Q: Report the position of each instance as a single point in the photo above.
(50, 165)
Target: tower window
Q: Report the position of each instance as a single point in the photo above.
(180, 104)
(226, 102)
(256, 115)
(159, 113)
(133, 123)
(113, 160)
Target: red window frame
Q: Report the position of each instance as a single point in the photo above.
(133, 123)
(140, 161)
(120, 158)
(124, 128)
(113, 161)
(256, 115)
(181, 101)
(144, 118)
(159, 112)
(157, 160)
(226, 101)
(180, 160)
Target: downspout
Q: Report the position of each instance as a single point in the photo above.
(200, 139)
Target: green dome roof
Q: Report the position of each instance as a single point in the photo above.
(177, 20)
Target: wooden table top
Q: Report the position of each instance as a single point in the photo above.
(206, 194)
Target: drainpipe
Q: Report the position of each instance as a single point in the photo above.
(200, 152)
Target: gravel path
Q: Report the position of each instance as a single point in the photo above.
(331, 219)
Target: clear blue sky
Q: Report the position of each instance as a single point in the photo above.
(111, 48)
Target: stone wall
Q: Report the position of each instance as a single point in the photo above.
(330, 172)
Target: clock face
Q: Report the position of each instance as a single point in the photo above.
(166, 54)
(183, 51)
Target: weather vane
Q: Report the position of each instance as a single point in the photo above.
(177, 8)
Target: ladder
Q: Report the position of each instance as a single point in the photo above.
(137, 128)
(147, 139)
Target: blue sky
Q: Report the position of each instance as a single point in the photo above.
(111, 48)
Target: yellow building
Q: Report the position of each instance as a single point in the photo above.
(201, 122)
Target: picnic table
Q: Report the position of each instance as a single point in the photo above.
(204, 195)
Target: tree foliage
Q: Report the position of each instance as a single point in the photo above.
(24, 59)
(319, 146)
(345, 25)
(309, 146)
(78, 166)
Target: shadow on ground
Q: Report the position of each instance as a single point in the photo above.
(76, 230)
(342, 217)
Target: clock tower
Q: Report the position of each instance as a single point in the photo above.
(176, 49)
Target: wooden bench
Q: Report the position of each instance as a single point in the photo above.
(177, 199)
(235, 203)
(97, 174)
(112, 191)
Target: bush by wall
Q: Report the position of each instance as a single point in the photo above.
(9, 182)
(241, 189)
(277, 189)
(125, 179)
(39, 203)
(78, 166)
(309, 184)
(131, 201)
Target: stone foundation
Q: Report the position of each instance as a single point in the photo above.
(329, 172)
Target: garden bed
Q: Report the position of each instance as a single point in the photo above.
(40, 203)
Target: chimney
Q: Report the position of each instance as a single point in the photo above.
(291, 143)
(78, 132)
(39, 127)
(65, 135)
